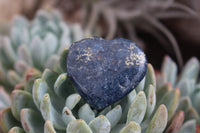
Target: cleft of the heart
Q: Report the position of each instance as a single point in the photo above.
(105, 71)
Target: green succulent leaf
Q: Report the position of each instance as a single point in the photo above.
(50, 113)
(31, 121)
(190, 70)
(131, 127)
(72, 100)
(38, 57)
(151, 101)
(171, 101)
(63, 86)
(159, 120)
(14, 77)
(61, 66)
(20, 67)
(184, 104)
(176, 123)
(150, 77)
(52, 61)
(67, 115)
(16, 130)
(191, 113)
(138, 108)
(100, 125)
(7, 121)
(40, 88)
(50, 42)
(24, 54)
(160, 92)
(140, 86)
(21, 99)
(29, 77)
(186, 87)
(188, 127)
(114, 115)
(169, 70)
(4, 99)
(86, 113)
(7, 54)
(48, 127)
(126, 103)
(50, 77)
(78, 126)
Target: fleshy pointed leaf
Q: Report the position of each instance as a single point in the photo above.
(21, 66)
(48, 127)
(63, 86)
(160, 92)
(131, 127)
(13, 77)
(49, 113)
(138, 108)
(114, 115)
(40, 88)
(86, 113)
(184, 104)
(16, 130)
(21, 99)
(4, 99)
(7, 53)
(38, 52)
(24, 54)
(31, 121)
(188, 127)
(29, 77)
(78, 126)
(52, 27)
(61, 66)
(100, 125)
(186, 87)
(7, 121)
(67, 116)
(190, 71)
(140, 86)
(151, 101)
(150, 77)
(159, 121)
(51, 43)
(176, 123)
(72, 100)
(126, 103)
(169, 70)
(52, 61)
(50, 77)
(191, 113)
(171, 101)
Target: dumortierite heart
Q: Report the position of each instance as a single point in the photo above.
(105, 71)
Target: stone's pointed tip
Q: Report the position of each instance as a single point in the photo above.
(104, 71)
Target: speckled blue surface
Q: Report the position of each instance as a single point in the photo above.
(105, 71)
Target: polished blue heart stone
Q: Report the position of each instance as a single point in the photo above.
(105, 71)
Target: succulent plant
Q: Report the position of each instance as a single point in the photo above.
(48, 102)
(35, 43)
(5, 100)
(187, 81)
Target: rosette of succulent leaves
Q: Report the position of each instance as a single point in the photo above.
(37, 43)
(48, 103)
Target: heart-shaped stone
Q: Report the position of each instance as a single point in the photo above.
(105, 71)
